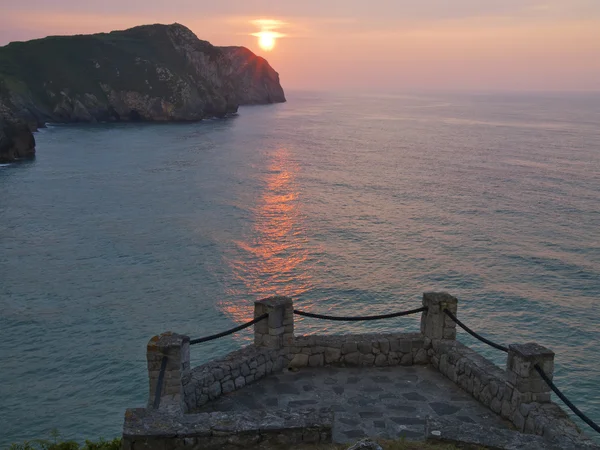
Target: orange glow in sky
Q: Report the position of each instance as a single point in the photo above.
(402, 45)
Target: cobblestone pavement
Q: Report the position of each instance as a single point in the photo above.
(387, 402)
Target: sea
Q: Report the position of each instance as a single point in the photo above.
(352, 204)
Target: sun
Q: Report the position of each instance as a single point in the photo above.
(266, 40)
(268, 34)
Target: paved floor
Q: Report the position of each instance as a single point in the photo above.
(387, 402)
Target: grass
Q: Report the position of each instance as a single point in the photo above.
(55, 443)
(401, 444)
(115, 444)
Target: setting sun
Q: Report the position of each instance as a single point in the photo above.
(266, 40)
(267, 36)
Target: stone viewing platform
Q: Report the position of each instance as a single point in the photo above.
(285, 390)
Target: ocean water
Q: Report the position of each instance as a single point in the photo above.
(352, 204)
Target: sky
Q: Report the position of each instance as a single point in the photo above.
(368, 45)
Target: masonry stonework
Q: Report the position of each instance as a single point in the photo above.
(517, 393)
(175, 350)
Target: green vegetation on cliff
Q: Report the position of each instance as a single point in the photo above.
(151, 72)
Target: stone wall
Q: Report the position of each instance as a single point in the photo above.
(150, 429)
(209, 381)
(358, 350)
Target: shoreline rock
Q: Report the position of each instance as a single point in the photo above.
(16, 141)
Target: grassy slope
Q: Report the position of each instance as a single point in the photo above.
(57, 62)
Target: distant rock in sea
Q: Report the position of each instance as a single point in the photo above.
(147, 73)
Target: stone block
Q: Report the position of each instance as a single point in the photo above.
(228, 386)
(506, 410)
(349, 347)
(407, 360)
(485, 396)
(421, 357)
(525, 408)
(381, 360)
(365, 347)
(352, 358)
(405, 346)
(518, 420)
(451, 373)
(245, 370)
(427, 343)
(367, 360)
(240, 382)
(276, 331)
(260, 371)
(542, 397)
(299, 360)
(395, 345)
(496, 405)
(384, 346)
(443, 364)
(214, 390)
(332, 355)
(315, 360)
(529, 427)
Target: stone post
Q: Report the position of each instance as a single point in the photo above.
(277, 331)
(177, 350)
(435, 324)
(522, 376)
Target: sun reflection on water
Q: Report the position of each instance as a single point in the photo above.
(272, 257)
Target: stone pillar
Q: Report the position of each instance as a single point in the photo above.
(177, 350)
(435, 324)
(522, 376)
(277, 331)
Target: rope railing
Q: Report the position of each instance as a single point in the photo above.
(503, 348)
(566, 401)
(538, 369)
(233, 330)
(475, 335)
(360, 318)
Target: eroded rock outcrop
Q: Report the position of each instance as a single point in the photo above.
(16, 141)
(149, 73)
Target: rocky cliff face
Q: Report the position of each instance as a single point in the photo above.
(255, 80)
(16, 141)
(152, 72)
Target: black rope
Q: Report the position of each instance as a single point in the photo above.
(233, 330)
(567, 402)
(475, 335)
(357, 318)
(161, 376)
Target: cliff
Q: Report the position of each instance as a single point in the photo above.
(149, 73)
(16, 141)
